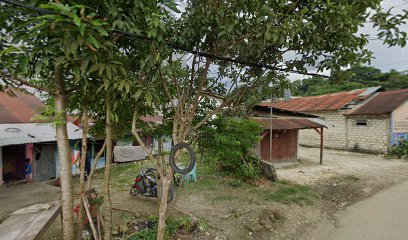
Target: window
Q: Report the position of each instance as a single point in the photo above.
(361, 122)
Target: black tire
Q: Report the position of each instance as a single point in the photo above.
(190, 153)
(134, 191)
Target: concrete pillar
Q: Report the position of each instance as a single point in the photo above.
(1, 166)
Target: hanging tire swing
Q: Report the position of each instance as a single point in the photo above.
(191, 154)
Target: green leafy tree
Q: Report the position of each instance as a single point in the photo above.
(353, 78)
(229, 144)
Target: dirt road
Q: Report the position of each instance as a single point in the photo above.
(382, 216)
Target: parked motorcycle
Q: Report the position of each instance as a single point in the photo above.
(147, 184)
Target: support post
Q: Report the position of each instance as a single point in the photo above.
(1, 166)
(321, 146)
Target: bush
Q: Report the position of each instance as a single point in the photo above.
(228, 144)
(249, 171)
(400, 151)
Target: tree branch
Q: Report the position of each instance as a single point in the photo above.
(21, 81)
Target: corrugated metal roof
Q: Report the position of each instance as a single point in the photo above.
(383, 103)
(282, 124)
(327, 102)
(20, 108)
(23, 133)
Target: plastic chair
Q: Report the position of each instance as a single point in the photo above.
(191, 175)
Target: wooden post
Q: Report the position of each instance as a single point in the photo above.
(321, 146)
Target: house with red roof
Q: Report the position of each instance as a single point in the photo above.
(22, 137)
(366, 120)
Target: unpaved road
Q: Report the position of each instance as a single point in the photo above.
(383, 216)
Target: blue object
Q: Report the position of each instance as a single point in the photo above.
(191, 175)
(28, 169)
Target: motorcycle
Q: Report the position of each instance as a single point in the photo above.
(147, 184)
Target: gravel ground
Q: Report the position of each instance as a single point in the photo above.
(373, 168)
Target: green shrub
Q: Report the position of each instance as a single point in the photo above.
(400, 151)
(250, 170)
(228, 144)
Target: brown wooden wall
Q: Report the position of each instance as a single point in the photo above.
(284, 146)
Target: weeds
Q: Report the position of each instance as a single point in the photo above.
(292, 194)
(352, 178)
(173, 226)
(400, 151)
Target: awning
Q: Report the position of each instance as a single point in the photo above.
(24, 133)
(285, 124)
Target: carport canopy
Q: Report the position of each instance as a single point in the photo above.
(294, 123)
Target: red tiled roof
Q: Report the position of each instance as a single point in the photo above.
(282, 124)
(20, 108)
(332, 101)
(383, 103)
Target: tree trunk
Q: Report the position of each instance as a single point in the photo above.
(64, 156)
(107, 200)
(166, 182)
(96, 159)
(84, 148)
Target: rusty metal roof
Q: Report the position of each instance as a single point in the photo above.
(282, 124)
(327, 102)
(383, 103)
(20, 108)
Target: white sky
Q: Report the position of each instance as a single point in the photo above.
(385, 58)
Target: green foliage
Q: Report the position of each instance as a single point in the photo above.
(293, 194)
(249, 170)
(172, 226)
(354, 78)
(400, 151)
(228, 144)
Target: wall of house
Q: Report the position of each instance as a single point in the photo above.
(284, 146)
(374, 137)
(334, 137)
(400, 124)
(45, 167)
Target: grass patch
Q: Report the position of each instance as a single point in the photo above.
(352, 178)
(221, 198)
(202, 185)
(292, 194)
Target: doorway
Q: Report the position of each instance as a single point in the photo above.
(13, 163)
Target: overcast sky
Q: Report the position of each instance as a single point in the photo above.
(389, 58)
(385, 58)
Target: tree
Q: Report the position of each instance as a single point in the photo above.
(229, 144)
(353, 78)
(229, 48)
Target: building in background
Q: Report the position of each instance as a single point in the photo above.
(364, 120)
(22, 136)
(286, 126)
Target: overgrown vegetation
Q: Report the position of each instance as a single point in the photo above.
(354, 78)
(174, 226)
(229, 144)
(289, 193)
(400, 151)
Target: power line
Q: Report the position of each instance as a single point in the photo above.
(176, 46)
